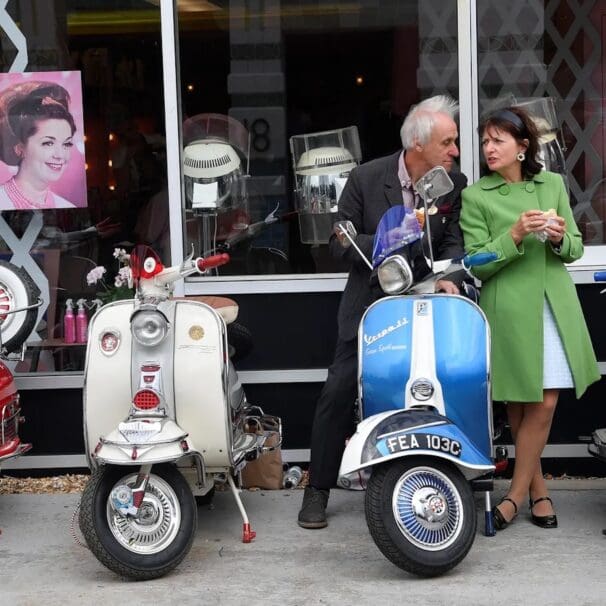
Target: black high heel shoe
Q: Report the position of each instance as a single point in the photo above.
(500, 522)
(549, 521)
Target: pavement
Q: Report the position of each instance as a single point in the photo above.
(41, 563)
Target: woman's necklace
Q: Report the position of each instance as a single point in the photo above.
(20, 201)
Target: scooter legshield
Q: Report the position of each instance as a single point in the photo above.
(400, 433)
(436, 346)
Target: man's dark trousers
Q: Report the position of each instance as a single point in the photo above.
(334, 420)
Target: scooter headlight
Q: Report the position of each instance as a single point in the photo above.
(395, 275)
(149, 328)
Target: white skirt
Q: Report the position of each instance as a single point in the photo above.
(556, 370)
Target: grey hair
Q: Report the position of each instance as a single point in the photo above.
(420, 120)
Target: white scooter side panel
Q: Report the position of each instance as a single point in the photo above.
(107, 386)
(200, 374)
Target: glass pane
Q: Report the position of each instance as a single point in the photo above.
(530, 49)
(100, 184)
(318, 87)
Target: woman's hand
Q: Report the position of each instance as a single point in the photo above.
(555, 229)
(529, 222)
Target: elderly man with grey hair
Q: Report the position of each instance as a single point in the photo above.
(429, 135)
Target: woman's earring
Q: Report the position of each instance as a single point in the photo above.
(521, 156)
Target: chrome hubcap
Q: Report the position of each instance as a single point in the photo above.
(427, 508)
(157, 522)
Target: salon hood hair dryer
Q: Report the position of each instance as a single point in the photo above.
(322, 163)
(215, 169)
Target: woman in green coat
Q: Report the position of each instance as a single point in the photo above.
(539, 339)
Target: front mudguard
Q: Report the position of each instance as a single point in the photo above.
(170, 444)
(413, 432)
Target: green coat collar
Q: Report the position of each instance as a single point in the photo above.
(494, 180)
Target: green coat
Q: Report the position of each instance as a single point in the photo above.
(515, 285)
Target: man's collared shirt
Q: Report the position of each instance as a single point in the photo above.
(410, 197)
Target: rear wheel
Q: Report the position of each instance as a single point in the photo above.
(421, 514)
(17, 290)
(152, 543)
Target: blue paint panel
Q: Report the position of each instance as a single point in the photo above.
(460, 334)
(385, 354)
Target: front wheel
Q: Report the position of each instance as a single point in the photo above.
(152, 543)
(421, 514)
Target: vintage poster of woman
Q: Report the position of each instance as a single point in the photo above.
(42, 160)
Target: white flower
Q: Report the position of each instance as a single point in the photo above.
(121, 255)
(123, 278)
(94, 275)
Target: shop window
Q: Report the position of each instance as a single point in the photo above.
(531, 50)
(103, 186)
(322, 82)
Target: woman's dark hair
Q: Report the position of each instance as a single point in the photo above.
(520, 126)
(25, 104)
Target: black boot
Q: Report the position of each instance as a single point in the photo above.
(313, 509)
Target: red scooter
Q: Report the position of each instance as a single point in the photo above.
(19, 300)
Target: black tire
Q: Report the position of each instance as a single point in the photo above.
(17, 290)
(425, 548)
(133, 558)
(240, 341)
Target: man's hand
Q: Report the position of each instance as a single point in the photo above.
(448, 287)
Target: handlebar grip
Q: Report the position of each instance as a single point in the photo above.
(599, 276)
(479, 259)
(212, 261)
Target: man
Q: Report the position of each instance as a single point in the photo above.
(429, 136)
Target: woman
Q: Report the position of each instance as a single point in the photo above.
(36, 131)
(539, 339)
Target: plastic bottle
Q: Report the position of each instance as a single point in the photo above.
(69, 323)
(81, 322)
(292, 477)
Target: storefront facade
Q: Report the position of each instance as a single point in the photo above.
(153, 72)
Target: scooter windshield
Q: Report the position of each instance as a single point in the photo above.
(398, 227)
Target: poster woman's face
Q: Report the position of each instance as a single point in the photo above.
(47, 152)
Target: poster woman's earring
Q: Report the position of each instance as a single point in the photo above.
(521, 156)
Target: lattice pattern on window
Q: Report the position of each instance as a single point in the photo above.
(537, 48)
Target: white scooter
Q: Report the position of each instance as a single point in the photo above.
(165, 418)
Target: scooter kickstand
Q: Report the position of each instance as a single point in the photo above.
(489, 530)
(247, 534)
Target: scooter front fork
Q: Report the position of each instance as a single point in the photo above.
(126, 500)
(247, 534)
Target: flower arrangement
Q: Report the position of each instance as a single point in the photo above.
(123, 282)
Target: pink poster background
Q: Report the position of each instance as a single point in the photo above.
(72, 185)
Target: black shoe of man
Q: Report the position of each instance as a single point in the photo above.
(313, 509)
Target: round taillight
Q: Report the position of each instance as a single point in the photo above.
(146, 399)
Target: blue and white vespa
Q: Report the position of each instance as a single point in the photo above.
(425, 440)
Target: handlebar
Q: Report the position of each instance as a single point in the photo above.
(203, 264)
(599, 276)
(479, 259)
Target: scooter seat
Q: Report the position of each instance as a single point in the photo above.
(225, 307)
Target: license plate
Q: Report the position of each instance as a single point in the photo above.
(139, 432)
(422, 441)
